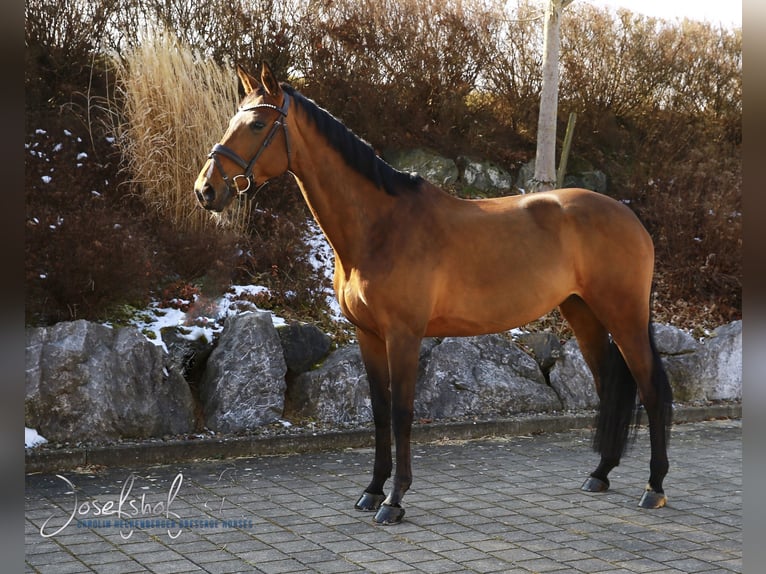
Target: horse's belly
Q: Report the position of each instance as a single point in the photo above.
(493, 308)
(483, 317)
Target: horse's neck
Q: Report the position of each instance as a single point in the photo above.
(345, 203)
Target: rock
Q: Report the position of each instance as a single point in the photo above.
(437, 169)
(544, 347)
(670, 340)
(86, 382)
(721, 377)
(304, 345)
(526, 175)
(486, 375)
(572, 380)
(594, 180)
(680, 357)
(186, 356)
(336, 392)
(484, 176)
(244, 383)
(697, 372)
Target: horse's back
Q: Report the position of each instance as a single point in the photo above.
(509, 260)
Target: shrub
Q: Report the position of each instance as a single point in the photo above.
(170, 103)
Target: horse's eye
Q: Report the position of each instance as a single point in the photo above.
(256, 125)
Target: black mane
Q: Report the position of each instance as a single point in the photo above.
(358, 153)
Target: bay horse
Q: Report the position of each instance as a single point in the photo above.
(413, 261)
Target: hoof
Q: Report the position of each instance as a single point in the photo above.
(369, 502)
(388, 514)
(652, 499)
(593, 484)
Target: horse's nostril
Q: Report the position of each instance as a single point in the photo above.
(206, 194)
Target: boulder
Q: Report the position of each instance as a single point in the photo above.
(480, 376)
(336, 392)
(680, 354)
(721, 378)
(672, 341)
(525, 176)
(186, 355)
(544, 347)
(572, 380)
(304, 345)
(437, 169)
(243, 386)
(484, 175)
(594, 180)
(87, 382)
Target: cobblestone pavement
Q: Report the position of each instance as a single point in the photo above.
(508, 504)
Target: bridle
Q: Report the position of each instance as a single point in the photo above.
(220, 149)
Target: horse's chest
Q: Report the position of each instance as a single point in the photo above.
(353, 302)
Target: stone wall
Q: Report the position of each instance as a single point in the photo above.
(89, 383)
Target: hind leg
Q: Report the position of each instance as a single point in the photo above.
(592, 336)
(593, 340)
(655, 394)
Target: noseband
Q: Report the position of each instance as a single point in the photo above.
(219, 149)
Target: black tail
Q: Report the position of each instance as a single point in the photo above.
(618, 403)
(662, 388)
(617, 406)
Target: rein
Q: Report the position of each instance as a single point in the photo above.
(219, 149)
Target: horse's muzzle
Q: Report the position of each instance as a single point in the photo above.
(205, 195)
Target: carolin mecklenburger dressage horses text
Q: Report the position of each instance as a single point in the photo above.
(412, 261)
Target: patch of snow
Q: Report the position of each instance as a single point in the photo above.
(58, 147)
(322, 261)
(46, 178)
(32, 438)
(82, 155)
(196, 325)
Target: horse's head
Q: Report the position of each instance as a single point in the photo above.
(244, 157)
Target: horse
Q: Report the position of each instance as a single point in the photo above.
(413, 261)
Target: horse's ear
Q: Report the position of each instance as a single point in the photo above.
(269, 80)
(249, 83)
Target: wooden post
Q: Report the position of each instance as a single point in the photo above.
(565, 150)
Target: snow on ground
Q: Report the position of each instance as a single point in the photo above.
(322, 260)
(197, 324)
(32, 439)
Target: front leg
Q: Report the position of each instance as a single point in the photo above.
(403, 352)
(375, 360)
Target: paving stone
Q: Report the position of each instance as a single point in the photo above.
(505, 504)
